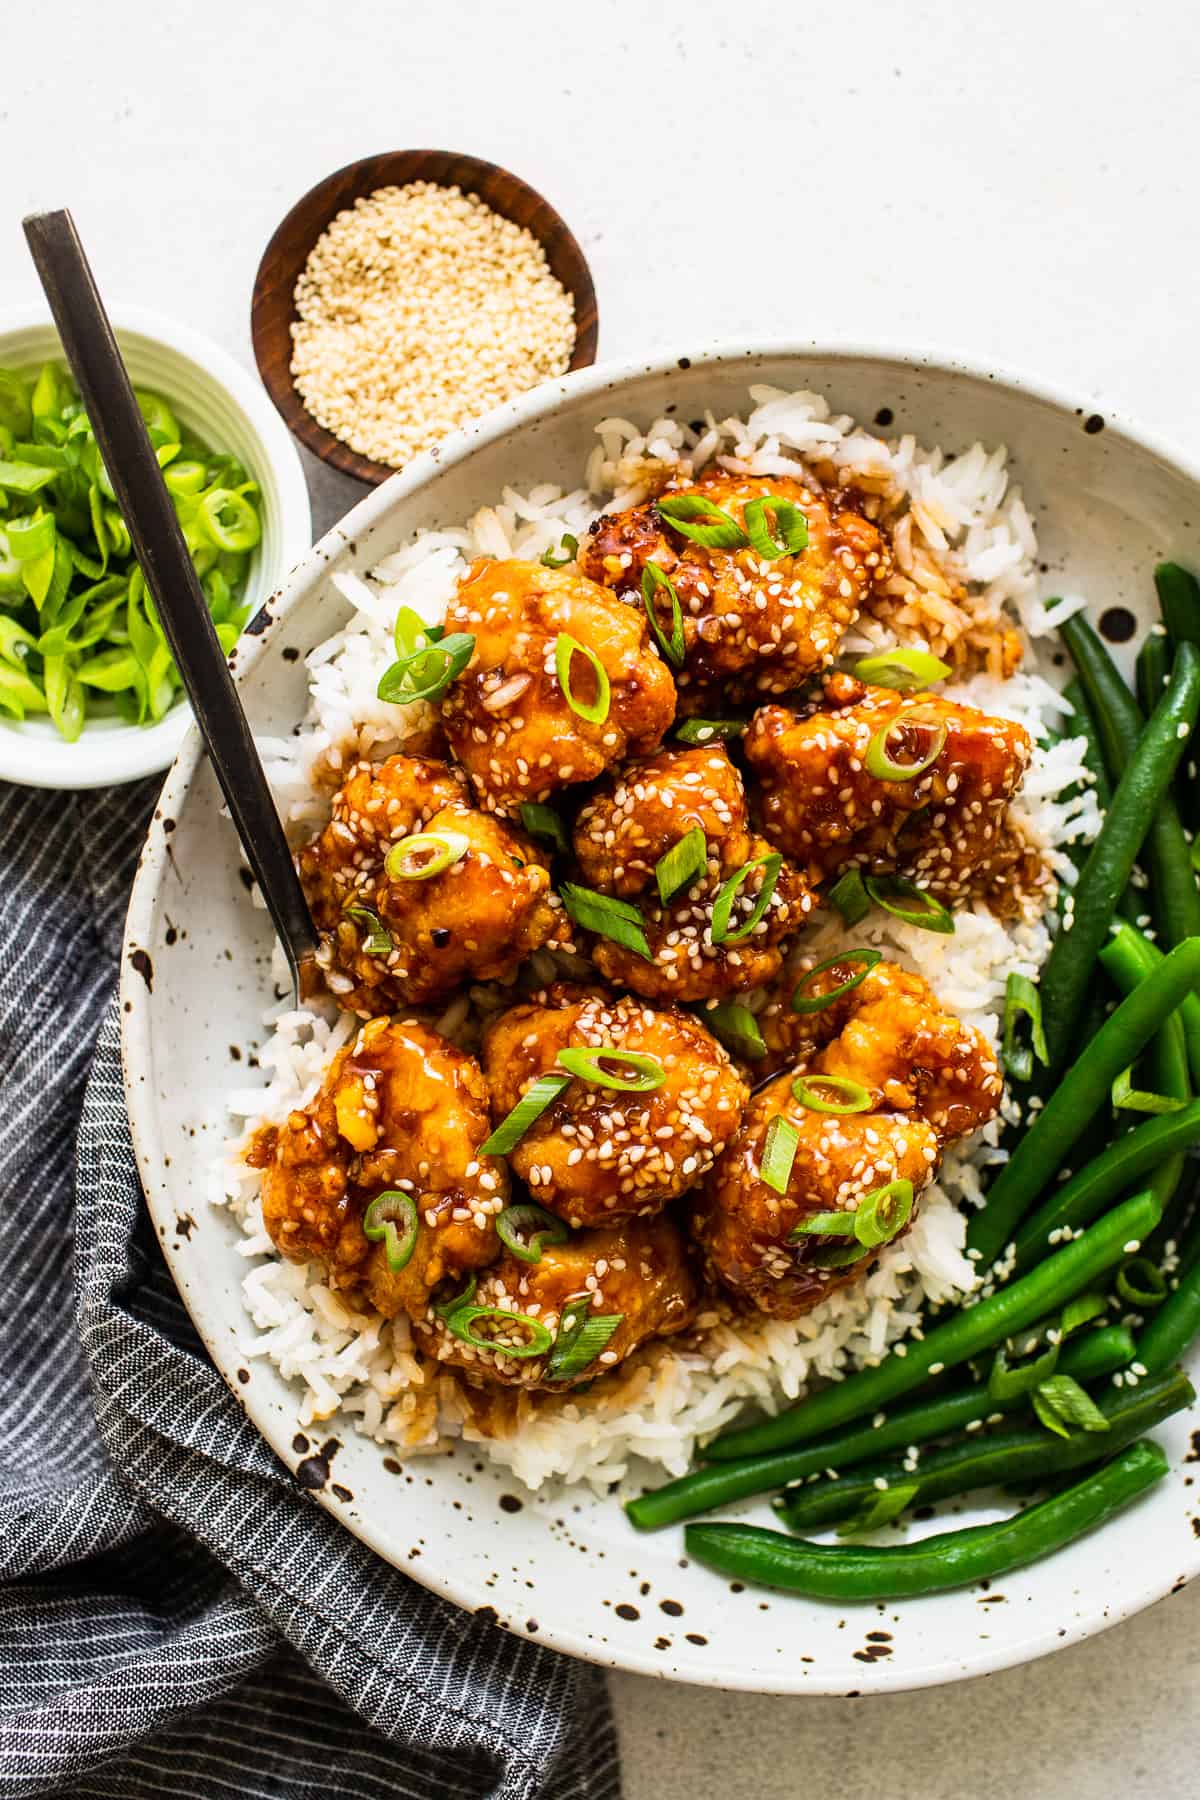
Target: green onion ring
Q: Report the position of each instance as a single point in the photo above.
(674, 648)
(581, 1336)
(461, 1321)
(585, 1065)
(823, 1224)
(1021, 996)
(681, 511)
(1127, 1098)
(790, 523)
(813, 1003)
(723, 904)
(838, 1256)
(409, 633)
(878, 763)
(681, 864)
(705, 731)
(445, 848)
(378, 941)
(532, 1104)
(858, 1098)
(882, 1214)
(1141, 1283)
(426, 673)
(567, 551)
(1006, 1381)
(380, 1221)
(904, 670)
(565, 647)
(778, 1153)
(930, 916)
(515, 1220)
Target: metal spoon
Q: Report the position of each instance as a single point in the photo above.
(148, 511)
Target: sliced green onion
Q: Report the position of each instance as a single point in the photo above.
(856, 1099)
(838, 1256)
(640, 1074)
(1080, 1312)
(674, 648)
(901, 669)
(813, 1003)
(823, 1224)
(1008, 1380)
(565, 647)
(426, 853)
(1127, 1098)
(1141, 1283)
(1022, 996)
(462, 1321)
(378, 941)
(707, 731)
(737, 1028)
(582, 1335)
(230, 520)
(609, 918)
(532, 1104)
(879, 1511)
(1061, 1405)
(543, 822)
(882, 1214)
(513, 1228)
(445, 1309)
(567, 550)
(683, 511)
(790, 523)
(883, 767)
(779, 1153)
(425, 673)
(380, 1221)
(723, 904)
(681, 864)
(931, 915)
(410, 632)
(848, 896)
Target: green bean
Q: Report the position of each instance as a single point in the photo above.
(1088, 1356)
(963, 1335)
(1019, 1453)
(1129, 950)
(1177, 1321)
(1176, 899)
(1152, 669)
(1083, 724)
(950, 1559)
(1169, 1075)
(1179, 602)
(1113, 1172)
(1080, 1094)
(1140, 804)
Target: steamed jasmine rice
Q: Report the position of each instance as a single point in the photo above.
(964, 585)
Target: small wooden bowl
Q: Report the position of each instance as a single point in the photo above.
(273, 307)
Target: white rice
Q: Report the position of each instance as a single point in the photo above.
(966, 516)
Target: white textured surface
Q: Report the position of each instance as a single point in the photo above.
(1017, 183)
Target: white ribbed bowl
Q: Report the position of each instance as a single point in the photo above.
(225, 406)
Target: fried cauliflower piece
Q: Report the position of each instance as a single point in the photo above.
(599, 1153)
(929, 1080)
(399, 1109)
(389, 942)
(506, 716)
(637, 1272)
(946, 828)
(643, 809)
(752, 625)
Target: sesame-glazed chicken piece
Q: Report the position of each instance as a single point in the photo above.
(411, 936)
(400, 1110)
(946, 827)
(638, 813)
(507, 717)
(601, 1152)
(635, 1275)
(923, 1079)
(752, 624)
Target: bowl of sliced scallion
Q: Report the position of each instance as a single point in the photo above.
(89, 694)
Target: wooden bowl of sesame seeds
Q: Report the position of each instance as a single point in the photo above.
(408, 293)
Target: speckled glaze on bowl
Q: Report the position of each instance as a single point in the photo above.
(567, 1569)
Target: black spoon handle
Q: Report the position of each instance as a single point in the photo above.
(91, 350)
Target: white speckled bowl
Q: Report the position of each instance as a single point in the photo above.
(568, 1569)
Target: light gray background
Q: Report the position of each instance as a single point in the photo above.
(1018, 183)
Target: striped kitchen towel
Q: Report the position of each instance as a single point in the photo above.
(176, 1617)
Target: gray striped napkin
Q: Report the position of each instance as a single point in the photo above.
(176, 1618)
